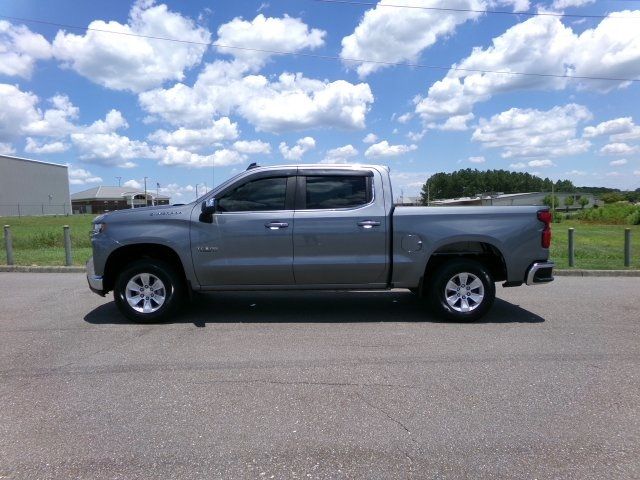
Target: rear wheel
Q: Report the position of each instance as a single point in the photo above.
(148, 291)
(462, 291)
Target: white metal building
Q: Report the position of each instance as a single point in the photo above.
(32, 187)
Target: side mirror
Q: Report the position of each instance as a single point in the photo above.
(209, 206)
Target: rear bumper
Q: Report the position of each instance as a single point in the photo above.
(540, 272)
(95, 281)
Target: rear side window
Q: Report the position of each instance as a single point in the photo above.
(258, 195)
(337, 191)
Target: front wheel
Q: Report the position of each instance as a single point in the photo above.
(462, 291)
(148, 291)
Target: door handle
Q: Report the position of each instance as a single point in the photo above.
(276, 225)
(369, 224)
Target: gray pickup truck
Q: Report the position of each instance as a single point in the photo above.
(315, 227)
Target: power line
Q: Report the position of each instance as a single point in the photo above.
(470, 10)
(325, 57)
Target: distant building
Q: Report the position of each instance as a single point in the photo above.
(408, 201)
(509, 199)
(31, 187)
(101, 199)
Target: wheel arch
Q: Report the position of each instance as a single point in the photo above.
(123, 256)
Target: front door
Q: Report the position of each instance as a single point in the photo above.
(249, 241)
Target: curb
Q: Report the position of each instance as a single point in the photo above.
(37, 269)
(597, 273)
(559, 273)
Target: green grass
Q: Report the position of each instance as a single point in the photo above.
(38, 241)
(598, 247)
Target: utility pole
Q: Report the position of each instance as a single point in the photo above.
(146, 200)
(428, 201)
(553, 199)
(119, 178)
(157, 193)
(196, 190)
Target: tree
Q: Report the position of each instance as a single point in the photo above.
(583, 201)
(568, 201)
(612, 197)
(551, 201)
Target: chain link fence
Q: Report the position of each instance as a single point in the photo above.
(33, 209)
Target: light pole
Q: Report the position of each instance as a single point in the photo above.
(146, 200)
(119, 178)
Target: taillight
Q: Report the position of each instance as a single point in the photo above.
(545, 217)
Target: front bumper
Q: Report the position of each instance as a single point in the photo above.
(95, 281)
(540, 272)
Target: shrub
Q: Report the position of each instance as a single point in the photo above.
(634, 217)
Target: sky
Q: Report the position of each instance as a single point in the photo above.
(188, 94)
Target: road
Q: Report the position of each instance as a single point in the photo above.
(320, 385)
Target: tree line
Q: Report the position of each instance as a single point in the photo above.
(472, 182)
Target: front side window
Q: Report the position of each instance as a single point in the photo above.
(254, 196)
(337, 191)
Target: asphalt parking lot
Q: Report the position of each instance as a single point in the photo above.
(320, 385)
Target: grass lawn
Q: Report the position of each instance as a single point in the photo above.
(598, 247)
(38, 241)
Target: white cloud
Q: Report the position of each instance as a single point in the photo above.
(562, 4)
(340, 154)
(416, 136)
(296, 152)
(457, 123)
(80, 176)
(383, 149)
(535, 133)
(110, 148)
(518, 165)
(408, 183)
(20, 48)
(220, 158)
(618, 148)
(33, 146)
(292, 102)
(542, 45)
(265, 33)
(618, 163)
(196, 139)
(610, 127)
(612, 174)
(636, 172)
(6, 149)
(127, 62)
(20, 115)
(132, 184)
(405, 117)
(477, 159)
(390, 34)
(370, 138)
(252, 147)
(518, 5)
(113, 121)
(541, 163)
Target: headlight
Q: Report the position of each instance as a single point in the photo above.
(98, 228)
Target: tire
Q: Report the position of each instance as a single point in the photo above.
(455, 302)
(159, 288)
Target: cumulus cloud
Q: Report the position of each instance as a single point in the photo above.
(195, 139)
(618, 163)
(134, 63)
(291, 102)
(340, 154)
(110, 148)
(33, 146)
(297, 151)
(389, 34)
(541, 163)
(479, 159)
(132, 184)
(6, 149)
(457, 123)
(370, 138)
(220, 158)
(264, 33)
(618, 148)
(542, 45)
(80, 176)
(252, 147)
(383, 150)
(535, 133)
(562, 4)
(20, 49)
(113, 121)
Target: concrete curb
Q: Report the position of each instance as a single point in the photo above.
(596, 273)
(559, 273)
(38, 269)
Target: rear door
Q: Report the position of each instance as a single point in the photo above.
(340, 228)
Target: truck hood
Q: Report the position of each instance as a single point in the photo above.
(145, 213)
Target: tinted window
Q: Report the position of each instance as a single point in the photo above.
(337, 192)
(263, 194)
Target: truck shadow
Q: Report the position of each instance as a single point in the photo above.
(312, 307)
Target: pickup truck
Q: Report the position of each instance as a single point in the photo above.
(329, 227)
